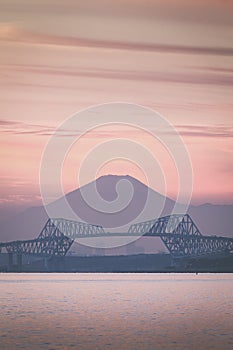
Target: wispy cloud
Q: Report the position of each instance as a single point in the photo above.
(217, 69)
(191, 77)
(19, 198)
(207, 11)
(9, 32)
(215, 131)
(21, 128)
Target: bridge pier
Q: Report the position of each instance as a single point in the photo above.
(10, 261)
(46, 265)
(17, 265)
(19, 262)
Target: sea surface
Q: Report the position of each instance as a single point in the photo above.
(116, 311)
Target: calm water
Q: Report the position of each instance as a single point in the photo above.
(116, 311)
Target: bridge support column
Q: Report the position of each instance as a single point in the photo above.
(19, 261)
(15, 265)
(10, 261)
(46, 266)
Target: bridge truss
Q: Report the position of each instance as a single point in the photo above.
(178, 232)
(182, 237)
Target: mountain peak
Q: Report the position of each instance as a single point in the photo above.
(115, 178)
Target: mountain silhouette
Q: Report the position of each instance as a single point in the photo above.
(115, 202)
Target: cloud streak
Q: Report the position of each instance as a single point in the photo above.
(215, 131)
(9, 32)
(207, 11)
(21, 128)
(208, 78)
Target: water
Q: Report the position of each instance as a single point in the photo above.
(116, 311)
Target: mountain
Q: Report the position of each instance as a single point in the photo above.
(115, 202)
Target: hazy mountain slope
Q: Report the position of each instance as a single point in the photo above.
(213, 219)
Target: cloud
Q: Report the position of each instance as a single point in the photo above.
(217, 69)
(202, 78)
(18, 198)
(10, 32)
(21, 128)
(201, 11)
(215, 131)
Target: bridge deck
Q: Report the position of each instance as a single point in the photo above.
(178, 232)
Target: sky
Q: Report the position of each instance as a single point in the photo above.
(58, 57)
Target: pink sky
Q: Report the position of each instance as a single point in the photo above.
(57, 57)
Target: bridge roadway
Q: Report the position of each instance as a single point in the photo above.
(178, 232)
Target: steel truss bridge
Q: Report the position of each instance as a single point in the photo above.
(178, 232)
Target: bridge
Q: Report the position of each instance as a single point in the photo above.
(178, 232)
